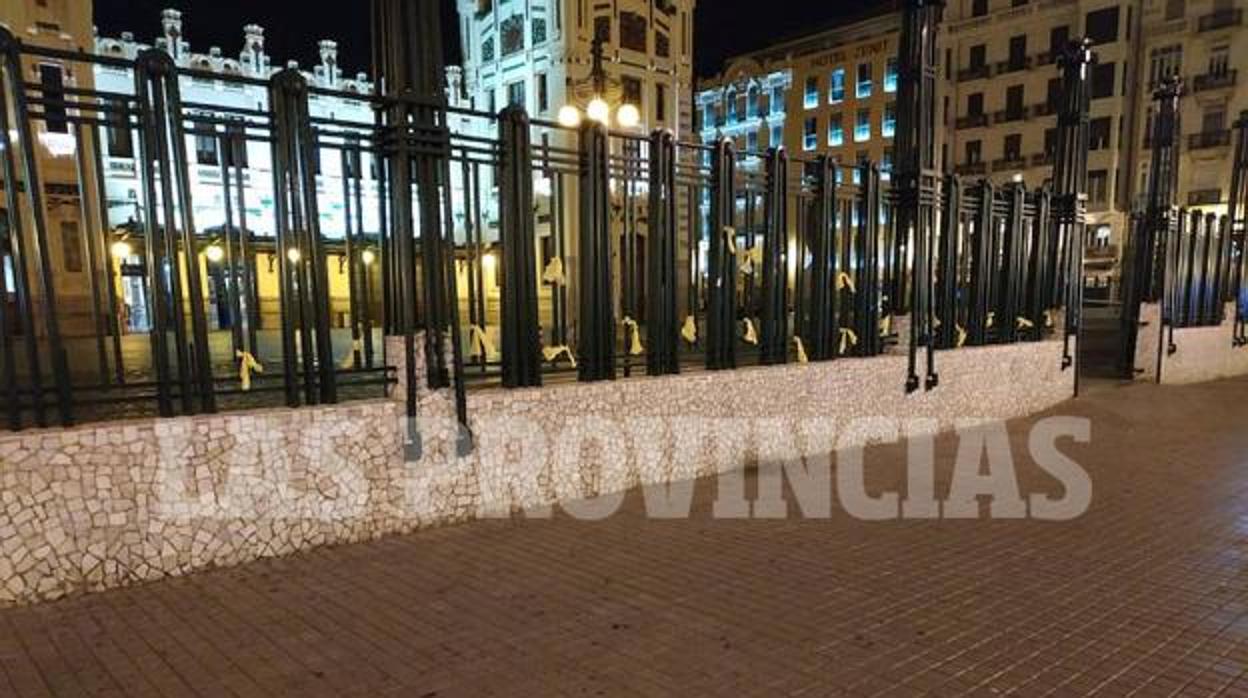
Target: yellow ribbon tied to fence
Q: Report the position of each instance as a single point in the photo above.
(246, 364)
(844, 280)
(479, 341)
(886, 325)
(961, 335)
(1048, 318)
(690, 330)
(730, 238)
(348, 361)
(751, 337)
(801, 350)
(634, 348)
(992, 319)
(553, 353)
(752, 258)
(849, 338)
(1023, 323)
(554, 272)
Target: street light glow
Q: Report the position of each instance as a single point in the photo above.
(214, 253)
(628, 116)
(121, 249)
(569, 116)
(368, 257)
(599, 111)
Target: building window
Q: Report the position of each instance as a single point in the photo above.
(1058, 38)
(1014, 99)
(751, 102)
(751, 142)
(543, 93)
(836, 87)
(1098, 186)
(890, 75)
(975, 104)
(974, 152)
(631, 89)
(810, 138)
(1013, 147)
(836, 130)
(660, 102)
(52, 85)
(1102, 26)
(71, 246)
(633, 30)
(515, 94)
(206, 148)
(979, 8)
(777, 99)
(730, 102)
(662, 44)
(1165, 62)
(889, 126)
(1018, 52)
(1103, 80)
(1098, 133)
(979, 56)
(812, 92)
(1175, 9)
(863, 90)
(120, 137)
(539, 31)
(602, 28)
(487, 50)
(777, 136)
(862, 127)
(511, 34)
(1050, 142)
(1220, 61)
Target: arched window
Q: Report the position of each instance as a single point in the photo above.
(731, 100)
(751, 102)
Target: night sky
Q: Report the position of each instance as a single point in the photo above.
(723, 27)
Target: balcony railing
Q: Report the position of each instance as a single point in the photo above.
(1204, 197)
(972, 121)
(1005, 116)
(1013, 66)
(971, 168)
(1214, 81)
(1041, 159)
(1043, 109)
(974, 73)
(1209, 139)
(1220, 19)
(1009, 164)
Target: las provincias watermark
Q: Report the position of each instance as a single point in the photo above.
(520, 466)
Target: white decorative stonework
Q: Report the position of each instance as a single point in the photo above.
(1201, 353)
(108, 505)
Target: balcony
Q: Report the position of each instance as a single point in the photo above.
(1209, 139)
(971, 168)
(972, 121)
(1044, 109)
(1010, 164)
(1005, 116)
(1045, 58)
(1214, 81)
(1220, 20)
(1204, 197)
(977, 72)
(1041, 159)
(1004, 67)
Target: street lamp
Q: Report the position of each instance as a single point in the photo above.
(598, 94)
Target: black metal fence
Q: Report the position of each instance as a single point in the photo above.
(146, 305)
(523, 251)
(1191, 262)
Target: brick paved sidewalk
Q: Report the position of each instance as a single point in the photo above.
(1145, 595)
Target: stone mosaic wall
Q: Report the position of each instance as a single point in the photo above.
(106, 505)
(1203, 353)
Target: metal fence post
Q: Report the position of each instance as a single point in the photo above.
(661, 323)
(824, 318)
(1237, 212)
(917, 183)
(721, 273)
(596, 320)
(775, 311)
(520, 332)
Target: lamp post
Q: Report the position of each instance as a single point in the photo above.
(598, 95)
